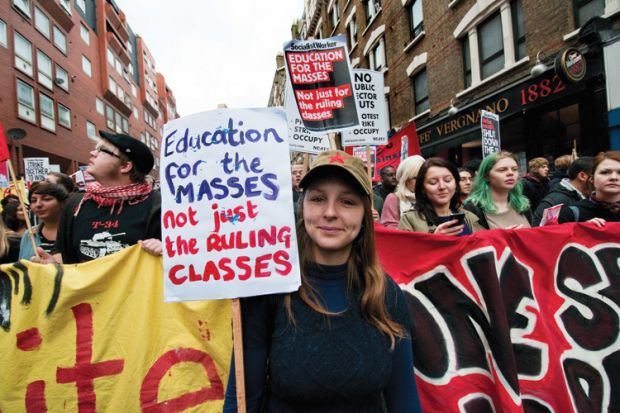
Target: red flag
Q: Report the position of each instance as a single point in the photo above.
(391, 154)
(4, 149)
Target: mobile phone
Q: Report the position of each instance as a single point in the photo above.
(460, 216)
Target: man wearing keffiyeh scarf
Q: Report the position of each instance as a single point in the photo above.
(118, 210)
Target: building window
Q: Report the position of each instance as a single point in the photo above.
(134, 91)
(44, 69)
(416, 18)
(91, 130)
(64, 116)
(376, 58)
(86, 66)
(23, 6)
(25, 101)
(62, 78)
(118, 66)
(109, 117)
(81, 4)
(130, 48)
(3, 35)
(136, 114)
(99, 105)
(420, 92)
(23, 54)
(60, 40)
(518, 27)
(66, 4)
(125, 125)
(48, 119)
(42, 22)
(112, 84)
(491, 46)
(119, 122)
(334, 14)
(466, 61)
(84, 33)
(371, 9)
(352, 32)
(586, 9)
(109, 57)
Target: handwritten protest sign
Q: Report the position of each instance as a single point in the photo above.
(362, 153)
(368, 89)
(36, 168)
(300, 138)
(489, 122)
(227, 206)
(321, 77)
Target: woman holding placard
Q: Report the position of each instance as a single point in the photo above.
(604, 203)
(497, 197)
(341, 343)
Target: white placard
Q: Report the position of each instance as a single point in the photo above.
(36, 169)
(368, 90)
(300, 138)
(228, 227)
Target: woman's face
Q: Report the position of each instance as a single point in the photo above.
(410, 184)
(19, 213)
(45, 207)
(439, 186)
(333, 215)
(465, 182)
(607, 180)
(504, 174)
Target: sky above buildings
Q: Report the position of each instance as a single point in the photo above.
(212, 51)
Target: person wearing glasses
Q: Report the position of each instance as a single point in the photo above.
(118, 210)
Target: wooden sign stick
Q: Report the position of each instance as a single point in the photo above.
(305, 164)
(238, 352)
(21, 202)
(369, 169)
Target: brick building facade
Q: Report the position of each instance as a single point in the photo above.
(444, 61)
(70, 68)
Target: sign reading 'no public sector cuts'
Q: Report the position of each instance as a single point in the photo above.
(227, 207)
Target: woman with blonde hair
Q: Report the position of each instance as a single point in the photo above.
(341, 343)
(403, 199)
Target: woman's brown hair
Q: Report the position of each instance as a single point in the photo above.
(363, 271)
(613, 155)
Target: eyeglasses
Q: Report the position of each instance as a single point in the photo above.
(103, 149)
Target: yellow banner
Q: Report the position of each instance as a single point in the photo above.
(97, 337)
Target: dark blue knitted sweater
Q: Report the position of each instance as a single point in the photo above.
(334, 364)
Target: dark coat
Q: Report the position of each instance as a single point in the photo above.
(534, 189)
(587, 211)
(556, 196)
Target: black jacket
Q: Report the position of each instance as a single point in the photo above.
(558, 195)
(482, 219)
(534, 189)
(587, 211)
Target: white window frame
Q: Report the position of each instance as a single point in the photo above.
(109, 117)
(418, 29)
(58, 36)
(47, 120)
(118, 66)
(112, 84)
(23, 6)
(63, 109)
(81, 4)
(426, 99)
(87, 66)
(136, 113)
(99, 106)
(352, 29)
(91, 130)
(66, 5)
(26, 110)
(4, 41)
(23, 58)
(334, 13)
(42, 22)
(109, 56)
(45, 77)
(85, 33)
(376, 56)
(61, 73)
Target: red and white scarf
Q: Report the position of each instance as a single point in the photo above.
(115, 196)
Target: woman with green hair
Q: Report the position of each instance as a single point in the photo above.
(497, 196)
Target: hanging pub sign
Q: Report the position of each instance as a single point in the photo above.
(570, 65)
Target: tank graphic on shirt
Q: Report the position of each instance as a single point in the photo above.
(102, 244)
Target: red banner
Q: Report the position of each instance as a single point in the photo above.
(392, 153)
(4, 149)
(512, 320)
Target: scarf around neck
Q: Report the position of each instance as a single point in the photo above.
(115, 196)
(613, 207)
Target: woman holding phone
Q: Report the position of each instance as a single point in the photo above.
(437, 208)
(497, 197)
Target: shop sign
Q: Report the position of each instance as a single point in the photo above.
(570, 65)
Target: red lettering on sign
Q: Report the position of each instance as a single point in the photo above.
(35, 397)
(85, 371)
(149, 391)
(29, 340)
